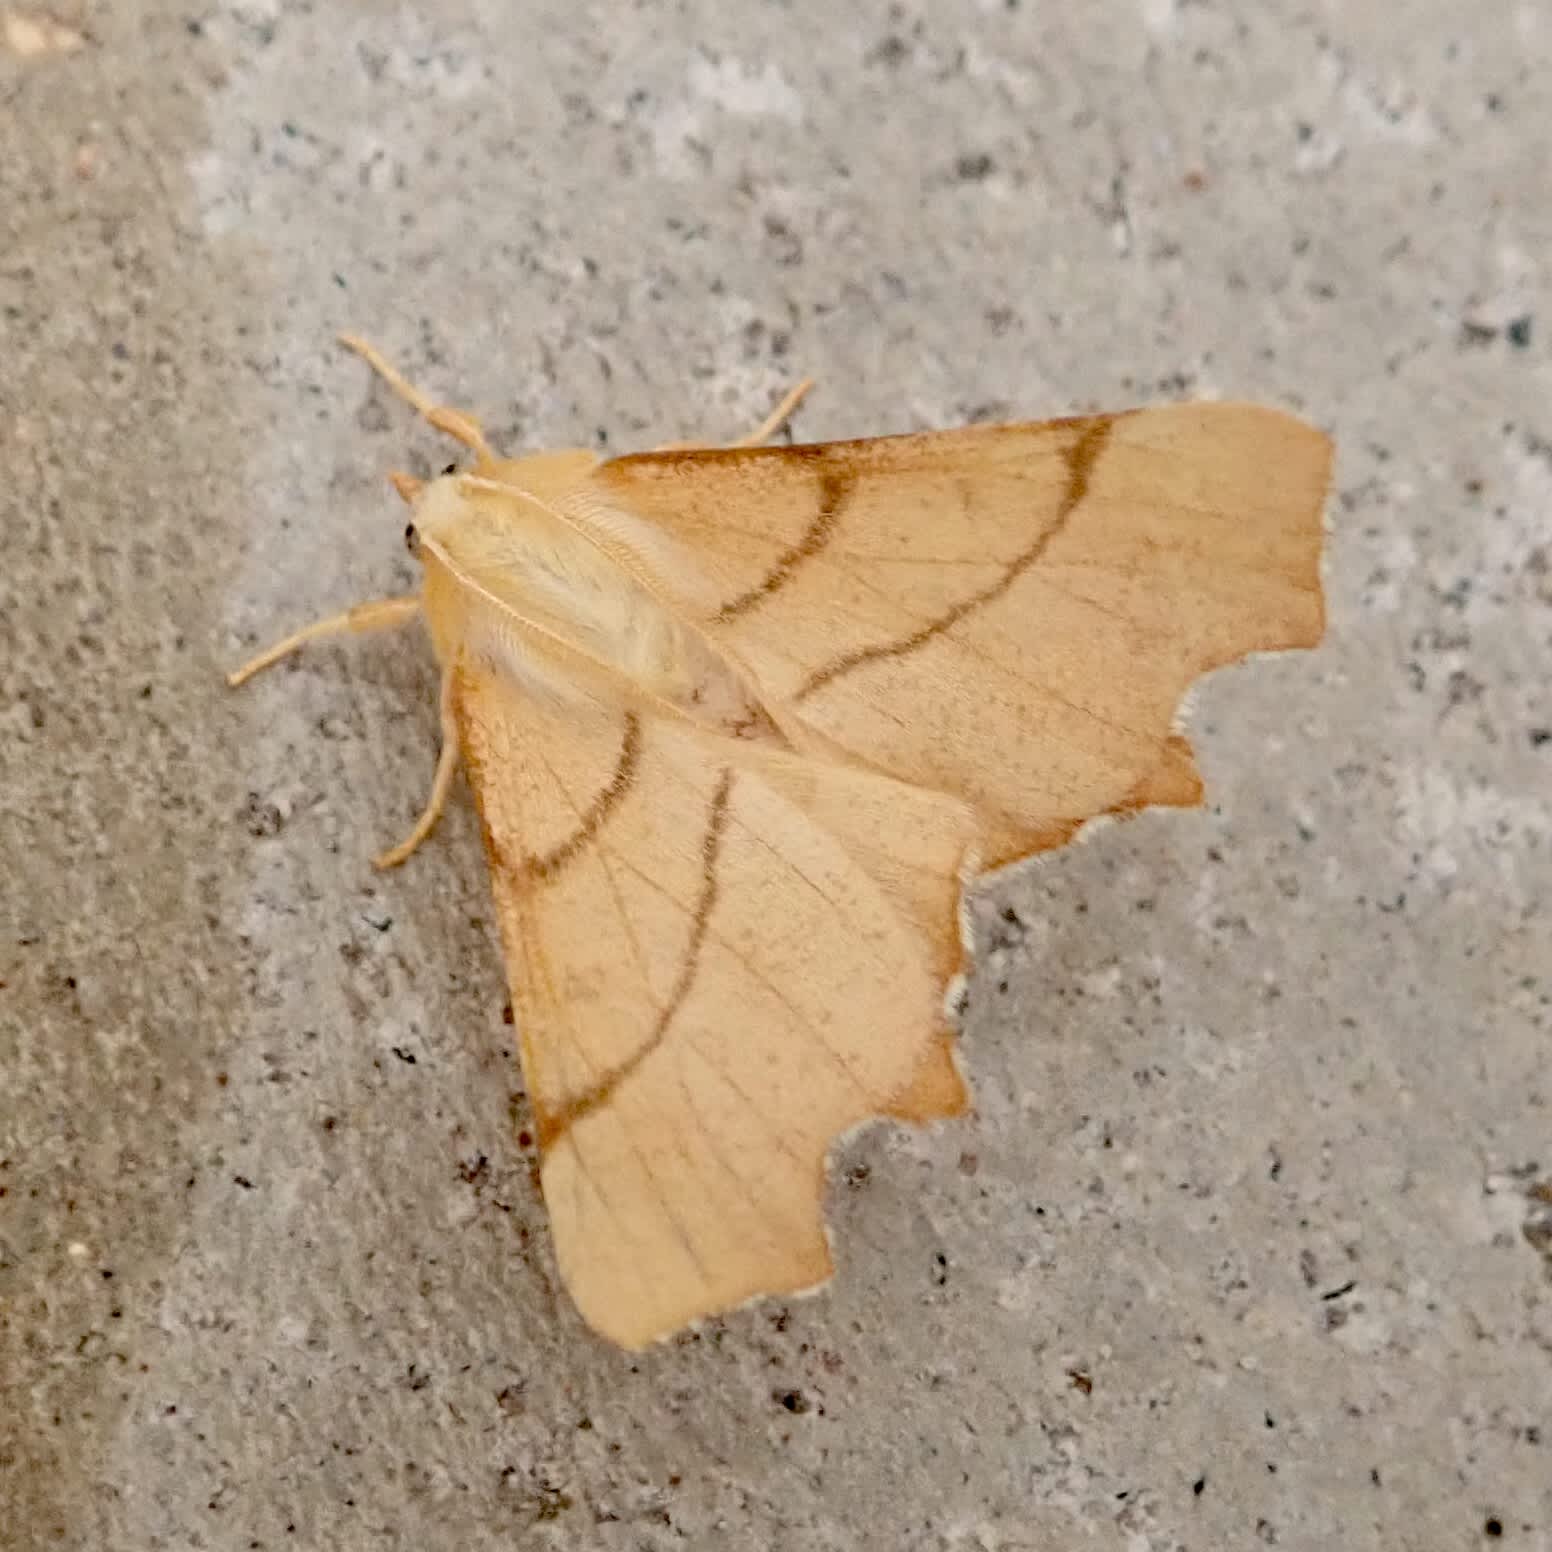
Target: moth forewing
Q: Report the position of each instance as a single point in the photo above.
(1008, 613)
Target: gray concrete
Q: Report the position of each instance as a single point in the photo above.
(256, 1289)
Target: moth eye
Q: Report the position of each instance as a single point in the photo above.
(452, 468)
(411, 538)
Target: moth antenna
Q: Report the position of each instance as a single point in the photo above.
(458, 424)
(778, 417)
(767, 428)
(375, 614)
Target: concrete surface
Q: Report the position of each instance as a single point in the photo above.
(1244, 1246)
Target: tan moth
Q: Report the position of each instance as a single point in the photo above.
(742, 722)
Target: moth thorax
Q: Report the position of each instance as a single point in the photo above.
(514, 586)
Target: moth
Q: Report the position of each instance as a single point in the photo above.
(742, 722)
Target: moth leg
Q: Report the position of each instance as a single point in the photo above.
(458, 424)
(376, 614)
(441, 784)
(767, 428)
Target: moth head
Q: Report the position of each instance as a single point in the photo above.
(433, 504)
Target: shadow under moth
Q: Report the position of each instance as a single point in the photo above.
(742, 722)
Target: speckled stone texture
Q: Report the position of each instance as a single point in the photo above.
(1249, 1240)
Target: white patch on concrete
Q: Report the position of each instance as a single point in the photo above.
(1394, 577)
(672, 131)
(723, 85)
(737, 88)
(460, 1207)
(31, 34)
(1388, 110)
(292, 1330)
(1101, 985)
(1450, 823)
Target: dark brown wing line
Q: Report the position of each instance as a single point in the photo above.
(548, 865)
(552, 1126)
(834, 492)
(1081, 458)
